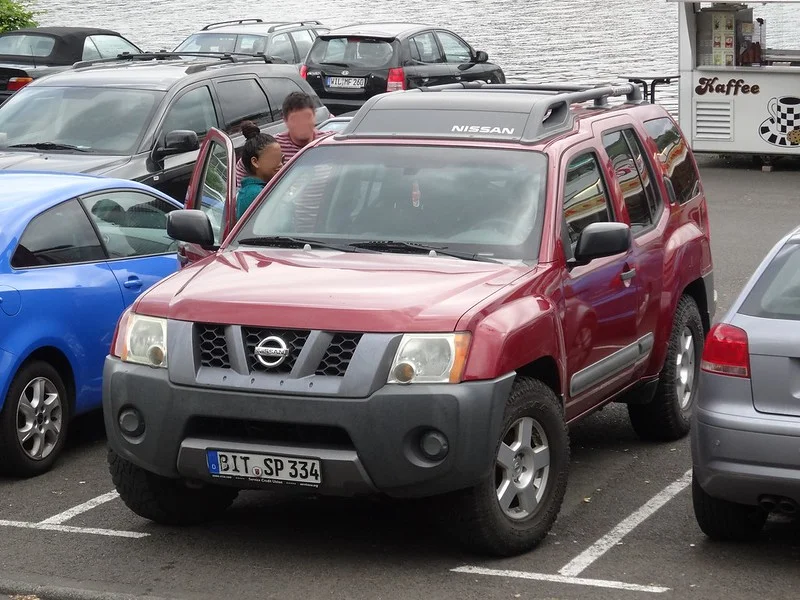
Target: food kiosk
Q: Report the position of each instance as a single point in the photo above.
(736, 93)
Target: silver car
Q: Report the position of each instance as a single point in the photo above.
(746, 425)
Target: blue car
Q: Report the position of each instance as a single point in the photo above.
(75, 251)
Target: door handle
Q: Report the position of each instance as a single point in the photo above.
(628, 275)
(133, 283)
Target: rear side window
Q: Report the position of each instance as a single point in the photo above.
(630, 181)
(279, 88)
(281, 46)
(585, 196)
(243, 100)
(776, 295)
(674, 155)
(60, 235)
(27, 45)
(353, 51)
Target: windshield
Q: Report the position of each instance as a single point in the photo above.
(208, 42)
(352, 51)
(776, 295)
(477, 200)
(93, 119)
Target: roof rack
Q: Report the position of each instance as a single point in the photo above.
(540, 115)
(295, 24)
(234, 57)
(655, 80)
(235, 22)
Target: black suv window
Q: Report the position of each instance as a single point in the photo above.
(425, 49)
(243, 100)
(131, 223)
(629, 180)
(585, 196)
(194, 111)
(281, 46)
(455, 50)
(279, 88)
(674, 155)
(60, 235)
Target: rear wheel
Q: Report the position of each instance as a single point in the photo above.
(726, 521)
(515, 507)
(667, 416)
(33, 422)
(164, 500)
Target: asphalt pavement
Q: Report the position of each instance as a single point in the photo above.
(626, 529)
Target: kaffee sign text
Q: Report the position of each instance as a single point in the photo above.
(712, 85)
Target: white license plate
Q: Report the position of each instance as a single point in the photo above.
(346, 82)
(264, 467)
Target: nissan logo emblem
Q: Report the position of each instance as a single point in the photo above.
(271, 351)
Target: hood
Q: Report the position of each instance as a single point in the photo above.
(60, 162)
(328, 290)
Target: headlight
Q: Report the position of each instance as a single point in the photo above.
(145, 341)
(430, 358)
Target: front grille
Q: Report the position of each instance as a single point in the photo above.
(339, 354)
(294, 339)
(268, 432)
(213, 346)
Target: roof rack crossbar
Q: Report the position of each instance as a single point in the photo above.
(583, 93)
(228, 56)
(234, 22)
(278, 26)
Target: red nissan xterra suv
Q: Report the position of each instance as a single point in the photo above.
(418, 306)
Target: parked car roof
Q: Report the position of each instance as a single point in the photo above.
(69, 41)
(379, 29)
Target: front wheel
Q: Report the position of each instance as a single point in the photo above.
(33, 422)
(163, 500)
(667, 417)
(516, 506)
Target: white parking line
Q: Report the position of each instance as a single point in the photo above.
(602, 583)
(81, 508)
(581, 562)
(70, 529)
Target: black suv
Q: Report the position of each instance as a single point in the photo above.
(285, 40)
(141, 117)
(349, 65)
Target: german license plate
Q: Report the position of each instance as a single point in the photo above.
(264, 467)
(346, 82)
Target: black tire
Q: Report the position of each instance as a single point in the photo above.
(726, 521)
(166, 501)
(14, 460)
(664, 419)
(477, 519)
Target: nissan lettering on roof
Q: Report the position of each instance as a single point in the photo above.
(482, 129)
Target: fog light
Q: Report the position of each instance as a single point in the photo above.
(433, 445)
(404, 372)
(156, 355)
(131, 422)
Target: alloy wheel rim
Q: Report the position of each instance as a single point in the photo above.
(40, 417)
(522, 469)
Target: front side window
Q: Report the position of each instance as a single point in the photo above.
(214, 188)
(111, 46)
(455, 50)
(101, 120)
(281, 46)
(303, 39)
(59, 236)
(131, 223)
(585, 196)
(471, 199)
(425, 49)
(90, 51)
(194, 111)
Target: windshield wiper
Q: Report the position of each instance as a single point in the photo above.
(50, 146)
(390, 245)
(283, 240)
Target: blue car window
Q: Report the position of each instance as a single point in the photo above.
(60, 235)
(131, 223)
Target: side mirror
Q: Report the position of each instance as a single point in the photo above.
(191, 226)
(481, 57)
(599, 240)
(177, 142)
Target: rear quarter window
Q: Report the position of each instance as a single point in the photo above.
(27, 45)
(776, 294)
(675, 159)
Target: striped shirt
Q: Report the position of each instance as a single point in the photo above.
(288, 148)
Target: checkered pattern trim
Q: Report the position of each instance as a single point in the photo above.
(788, 119)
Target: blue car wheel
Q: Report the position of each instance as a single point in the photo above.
(33, 422)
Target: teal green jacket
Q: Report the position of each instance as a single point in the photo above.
(251, 187)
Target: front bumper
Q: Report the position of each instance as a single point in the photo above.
(365, 445)
(740, 455)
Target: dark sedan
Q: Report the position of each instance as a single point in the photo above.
(27, 54)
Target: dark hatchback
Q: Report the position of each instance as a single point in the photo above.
(349, 65)
(27, 54)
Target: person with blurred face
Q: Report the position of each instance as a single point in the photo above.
(299, 114)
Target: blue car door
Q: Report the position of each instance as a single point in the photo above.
(70, 298)
(133, 227)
